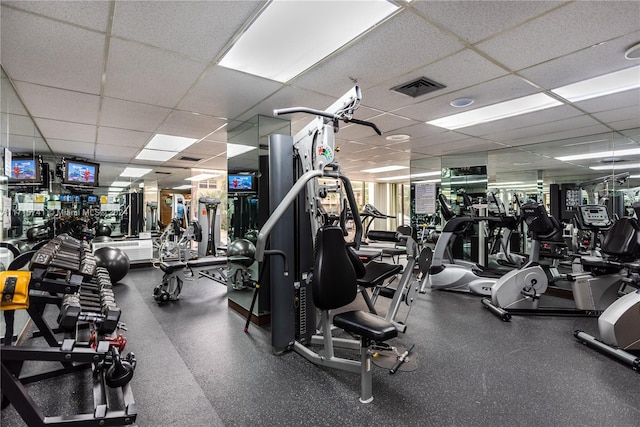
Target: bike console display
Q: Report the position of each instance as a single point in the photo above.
(594, 216)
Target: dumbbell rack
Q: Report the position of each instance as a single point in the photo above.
(64, 274)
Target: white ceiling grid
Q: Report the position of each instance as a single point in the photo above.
(101, 77)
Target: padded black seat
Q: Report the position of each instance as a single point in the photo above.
(366, 325)
(171, 266)
(621, 243)
(207, 262)
(377, 272)
(367, 255)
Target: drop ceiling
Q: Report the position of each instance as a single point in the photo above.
(100, 78)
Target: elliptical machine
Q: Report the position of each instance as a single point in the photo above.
(445, 273)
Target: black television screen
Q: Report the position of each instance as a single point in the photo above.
(26, 170)
(241, 183)
(81, 173)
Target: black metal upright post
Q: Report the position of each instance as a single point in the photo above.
(281, 179)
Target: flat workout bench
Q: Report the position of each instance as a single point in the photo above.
(171, 286)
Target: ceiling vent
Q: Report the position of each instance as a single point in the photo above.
(163, 173)
(418, 87)
(189, 159)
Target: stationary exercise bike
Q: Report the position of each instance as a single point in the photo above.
(619, 324)
(519, 291)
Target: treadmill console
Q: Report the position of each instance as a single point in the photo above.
(594, 216)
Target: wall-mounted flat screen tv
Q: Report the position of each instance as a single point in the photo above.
(241, 183)
(26, 170)
(81, 173)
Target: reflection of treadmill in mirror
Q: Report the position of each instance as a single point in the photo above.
(210, 223)
(368, 215)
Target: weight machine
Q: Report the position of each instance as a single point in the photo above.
(295, 224)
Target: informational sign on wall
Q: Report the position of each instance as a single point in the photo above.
(425, 198)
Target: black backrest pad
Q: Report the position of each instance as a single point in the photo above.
(334, 280)
(539, 223)
(622, 238)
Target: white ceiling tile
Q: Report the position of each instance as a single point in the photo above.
(122, 138)
(463, 17)
(625, 124)
(59, 104)
(470, 67)
(131, 115)
(59, 55)
(92, 14)
(620, 114)
(190, 125)
(554, 136)
(140, 73)
(487, 93)
(628, 98)
(107, 152)
(15, 124)
(72, 148)
(500, 130)
(226, 93)
(55, 129)
(23, 143)
(542, 128)
(582, 65)
(575, 26)
(210, 24)
(406, 42)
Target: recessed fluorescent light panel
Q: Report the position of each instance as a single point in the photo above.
(600, 86)
(131, 172)
(618, 153)
(385, 169)
(616, 166)
(237, 149)
(201, 177)
(290, 36)
(155, 155)
(515, 107)
(169, 143)
(120, 184)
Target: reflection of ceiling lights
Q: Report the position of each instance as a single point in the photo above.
(397, 137)
(131, 172)
(412, 176)
(120, 184)
(601, 154)
(634, 176)
(428, 181)
(385, 169)
(502, 110)
(268, 49)
(502, 184)
(182, 187)
(602, 85)
(616, 166)
(237, 149)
